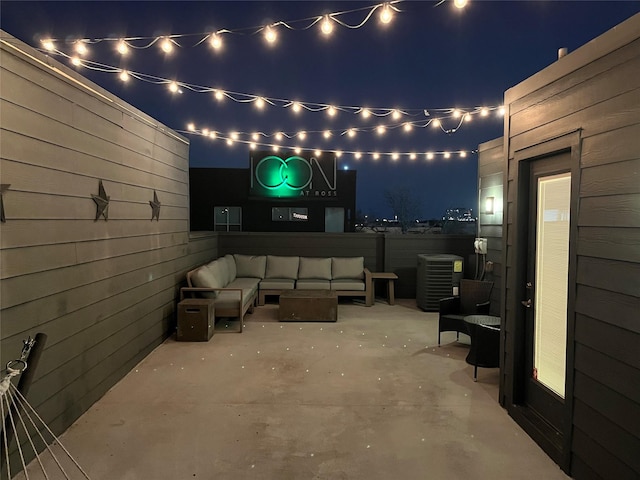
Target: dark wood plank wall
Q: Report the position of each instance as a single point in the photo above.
(103, 291)
(598, 93)
(490, 184)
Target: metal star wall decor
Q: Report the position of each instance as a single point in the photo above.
(102, 202)
(3, 188)
(155, 207)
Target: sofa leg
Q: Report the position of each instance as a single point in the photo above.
(261, 299)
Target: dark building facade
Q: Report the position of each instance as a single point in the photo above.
(279, 192)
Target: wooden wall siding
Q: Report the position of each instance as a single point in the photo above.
(595, 90)
(491, 184)
(103, 291)
(401, 257)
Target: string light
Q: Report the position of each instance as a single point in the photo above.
(122, 48)
(215, 41)
(173, 87)
(270, 34)
(386, 14)
(331, 111)
(124, 76)
(380, 129)
(166, 45)
(395, 114)
(327, 25)
(218, 94)
(484, 112)
(302, 135)
(366, 113)
(81, 48)
(255, 137)
(326, 134)
(295, 106)
(259, 102)
(76, 61)
(278, 136)
(48, 45)
(394, 156)
(407, 127)
(460, 3)
(436, 123)
(501, 111)
(351, 133)
(456, 113)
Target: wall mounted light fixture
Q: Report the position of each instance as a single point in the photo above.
(489, 203)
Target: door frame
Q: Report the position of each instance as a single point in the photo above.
(515, 272)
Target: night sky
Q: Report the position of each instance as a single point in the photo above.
(428, 57)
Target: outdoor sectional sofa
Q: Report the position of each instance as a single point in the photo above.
(237, 282)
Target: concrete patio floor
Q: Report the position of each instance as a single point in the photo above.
(368, 397)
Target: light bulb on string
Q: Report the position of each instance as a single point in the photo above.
(327, 25)
(275, 148)
(234, 135)
(124, 75)
(436, 123)
(467, 117)
(395, 114)
(205, 132)
(213, 134)
(80, 48)
(297, 150)
(460, 4)
(376, 155)
(331, 111)
(484, 112)
(365, 113)
(357, 155)
(463, 154)
(386, 14)
(255, 137)
(326, 134)
(278, 136)
(252, 146)
(351, 133)
(447, 155)
(407, 127)
(456, 113)
(317, 153)
(191, 127)
(218, 94)
(229, 142)
(380, 129)
(166, 45)
(429, 156)
(302, 135)
(76, 61)
(501, 112)
(215, 41)
(270, 35)
(173, 87)
(259, 103)
(338, 153)
(296, 107)
(48, 44)
(122, 47)
(412, 156)
(395, 156)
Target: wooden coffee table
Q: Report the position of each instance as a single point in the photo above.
(308, 306)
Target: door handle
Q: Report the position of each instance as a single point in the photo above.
(526, 303)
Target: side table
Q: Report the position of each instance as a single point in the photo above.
(196, 320)
(390, 278)
(484, 331)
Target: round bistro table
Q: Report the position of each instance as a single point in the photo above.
(484, 331)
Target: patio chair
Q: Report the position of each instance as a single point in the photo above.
(473, 300)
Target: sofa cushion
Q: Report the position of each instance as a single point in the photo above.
(282, 267)
(347, 267)
(204, 278)
(319, 268)
(313, 284)
(277, 284)
(231, 264)
(245, 284)
(228, 300)
(252, 266)
(346, 284)
(220, 270)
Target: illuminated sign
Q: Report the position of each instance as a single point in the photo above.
(293, 176)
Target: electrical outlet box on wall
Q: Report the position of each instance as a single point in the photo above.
(480, 245)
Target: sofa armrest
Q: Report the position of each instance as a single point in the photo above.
(449, 305)
(368, 287)
(483, 308)
(184, 290)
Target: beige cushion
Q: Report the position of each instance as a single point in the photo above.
(252, 266)
(231, 263)
(277, 284)
(220, 270)
(345, 284)
(313, 284)
(282, 267)
(347, 267)
(204, 278)
(319, 268)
